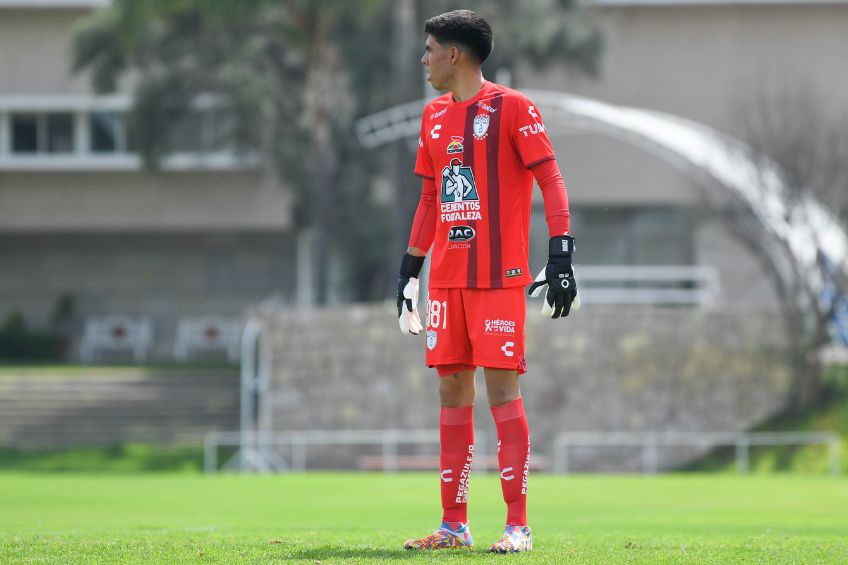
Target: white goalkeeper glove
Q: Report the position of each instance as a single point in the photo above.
(408, 318)
(407, 295)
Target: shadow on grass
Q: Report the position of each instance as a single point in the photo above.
(338, 552)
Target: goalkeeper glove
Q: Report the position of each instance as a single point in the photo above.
(558, 276)
(407, 295)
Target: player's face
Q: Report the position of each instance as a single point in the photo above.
(437, 59)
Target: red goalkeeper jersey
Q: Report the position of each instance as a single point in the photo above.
(479, 152)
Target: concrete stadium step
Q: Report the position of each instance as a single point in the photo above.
(69, 407)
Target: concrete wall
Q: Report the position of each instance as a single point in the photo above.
(35, 52)
(163, 275)
(603, 369)
(711, 64)
(140, 202)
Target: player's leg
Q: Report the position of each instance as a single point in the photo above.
(456, 438)
(513, 456)
(449, 352)
(496, 328)
(456, 435)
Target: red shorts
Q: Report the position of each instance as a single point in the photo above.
(475, 327)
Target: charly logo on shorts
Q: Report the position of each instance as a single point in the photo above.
(431, 340)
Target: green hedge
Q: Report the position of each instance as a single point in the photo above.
(29, 346)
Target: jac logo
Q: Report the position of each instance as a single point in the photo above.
(461, 233)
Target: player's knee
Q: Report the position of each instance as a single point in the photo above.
(500, 396)
(456, 390)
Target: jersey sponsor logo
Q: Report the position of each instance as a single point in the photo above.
(432, 337)
(488, 108)
(500, 327)
(506, 476)
(532, 111)
(446, 476)
(455, 146)
(438, 114)
(458, 183)
(481, 126)
(510, 273)
(532, 129)
(434, 132)
(507, 348)
(461, 233)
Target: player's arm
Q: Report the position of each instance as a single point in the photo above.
(561, 294)
(420, 240)
(554, 195)
(424, 223)
(420, 237)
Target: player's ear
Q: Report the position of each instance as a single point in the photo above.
(454, 54)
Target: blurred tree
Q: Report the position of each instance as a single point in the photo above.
(291, 74)
(794, 128)
(537, 33)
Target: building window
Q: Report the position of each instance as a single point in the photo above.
(60, 133)
(24, 133)
(105, 129)
(43, 133)
(613, 235)
(655, 235)
(204, 131)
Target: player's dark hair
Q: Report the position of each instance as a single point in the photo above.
(465, 28)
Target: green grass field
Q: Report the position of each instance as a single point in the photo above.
(364, 518)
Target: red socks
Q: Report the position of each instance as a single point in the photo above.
(456, 427)
(457, 442)
(513, 458)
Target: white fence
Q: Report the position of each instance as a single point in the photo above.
(652, 442)
(257, 450)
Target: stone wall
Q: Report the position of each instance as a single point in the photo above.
(603, 369)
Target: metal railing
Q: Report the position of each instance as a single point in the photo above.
(652, 442)
(259, 447)
(648, 284)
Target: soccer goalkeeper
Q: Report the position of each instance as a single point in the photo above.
(481, 146)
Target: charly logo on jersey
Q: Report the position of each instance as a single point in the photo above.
(458, 183)
(481, 126)
(461, 233)
(455, 146)
(536, 127)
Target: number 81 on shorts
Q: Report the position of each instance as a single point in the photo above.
(437, 314)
